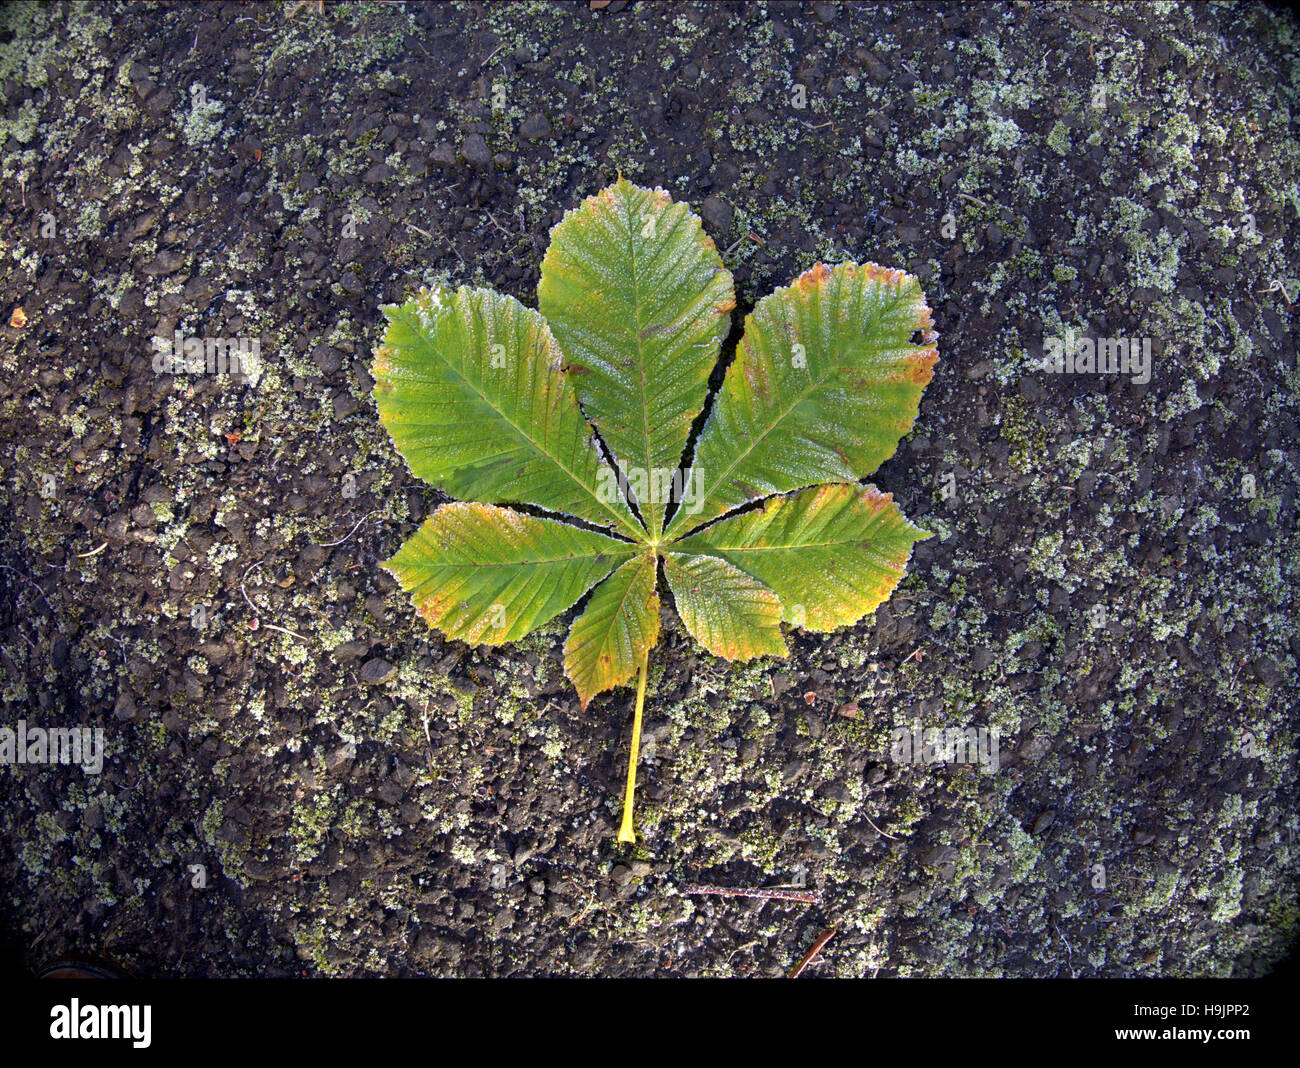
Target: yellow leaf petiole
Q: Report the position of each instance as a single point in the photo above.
(625, 832)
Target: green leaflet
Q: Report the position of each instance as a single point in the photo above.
(619, 627)
(730, 613)
(469, 384)
(489, 575)
(825, 382)
(831, 553)
(637, 296)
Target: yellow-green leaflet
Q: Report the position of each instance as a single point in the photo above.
(470, 386)
(619, 627)
(826, 381)
(637, 297)
(831, 553)
(730, 613)
(488, 575)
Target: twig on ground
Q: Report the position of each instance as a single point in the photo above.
(31, 582)
(816, 948)
(878, 830)
(331, 544)
(500, 229)
(1277, 287)
(257, 611)
(428, 741)
(810, 897)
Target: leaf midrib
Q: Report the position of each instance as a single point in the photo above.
(529, 563)
(786, 547)
(655, 520)
(628, 593)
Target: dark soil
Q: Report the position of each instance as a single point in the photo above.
(190, 562)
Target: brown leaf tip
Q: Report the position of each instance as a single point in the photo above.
(875, 499)
(925, 322)
(919, 367)
(873, 272)
(813, 278)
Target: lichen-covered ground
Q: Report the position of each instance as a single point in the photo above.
(190, 562)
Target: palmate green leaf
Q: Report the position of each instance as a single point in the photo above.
(636, 294)
(831, 553)
(827, 379)
(470, 385)
(496, 404)
(488, 575)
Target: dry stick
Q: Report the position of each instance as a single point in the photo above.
(822, 939)
(1275, 287)
(807, 896)
(257, 611)
(331, 544)
(427, 740)
(500, 229)
(31, 582)
(877, 829)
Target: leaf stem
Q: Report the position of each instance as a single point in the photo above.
(625, 832)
